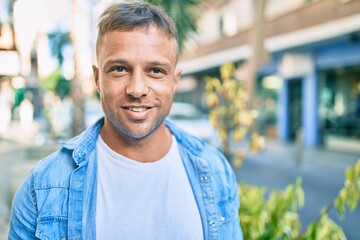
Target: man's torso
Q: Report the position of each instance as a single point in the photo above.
(144, 200)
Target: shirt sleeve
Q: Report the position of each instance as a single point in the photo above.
(23, 212)
(230, 187)
(237, 226)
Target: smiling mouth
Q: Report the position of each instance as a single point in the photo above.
(137, 109)
(137, 113)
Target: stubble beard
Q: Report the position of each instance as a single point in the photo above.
(129, 129)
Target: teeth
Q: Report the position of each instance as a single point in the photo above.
(137, 109)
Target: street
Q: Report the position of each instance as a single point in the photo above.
(277, 166)
(322, 174)
(19, 152)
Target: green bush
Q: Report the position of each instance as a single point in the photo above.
(275, 217)
(272, 218)
(227, 100)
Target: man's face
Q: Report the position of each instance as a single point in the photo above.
(136, 78)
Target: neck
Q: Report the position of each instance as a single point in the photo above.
(149, 149)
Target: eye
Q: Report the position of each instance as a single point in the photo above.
(118, 69)
(157, 71)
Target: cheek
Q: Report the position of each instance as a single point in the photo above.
(167, 93)
(166, 87)
(111, 88)
(107, 95)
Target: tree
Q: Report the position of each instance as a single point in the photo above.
(227, 99)
(184, 13)
(277, 216)
(259, 55)
(80, 38)
(56, 81)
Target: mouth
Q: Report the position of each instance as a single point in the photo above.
(137, 109)
(137, 113)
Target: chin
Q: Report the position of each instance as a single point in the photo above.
(137, 135)
(136, 132)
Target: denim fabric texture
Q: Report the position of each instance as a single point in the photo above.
(57, 200)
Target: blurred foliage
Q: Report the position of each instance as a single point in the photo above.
(56, 83)
(227, 100)
(50, 82)
(347, 199)
(272, 218)
(184, 13)
(58, 40)
(275, 216)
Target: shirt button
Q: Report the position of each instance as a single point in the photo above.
(212, 223)
(76, 236)
(222, 219)
(78, 184)
(63, 238)
(203, 178)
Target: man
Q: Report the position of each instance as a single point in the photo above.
(133, 174)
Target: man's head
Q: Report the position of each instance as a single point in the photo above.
(136, 74)
(127, 17)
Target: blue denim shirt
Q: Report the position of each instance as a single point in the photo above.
(57, 200)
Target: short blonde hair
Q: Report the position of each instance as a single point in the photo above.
(133, 16)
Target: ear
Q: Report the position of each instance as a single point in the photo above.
(177, 78)
(96, 75)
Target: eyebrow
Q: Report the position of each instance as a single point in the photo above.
(160, 64)
(115, 61)
(125, 62)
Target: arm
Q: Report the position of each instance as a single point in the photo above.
(23, 212)
(237, 228)
(233, 232)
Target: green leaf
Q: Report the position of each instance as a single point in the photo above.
(185, 14)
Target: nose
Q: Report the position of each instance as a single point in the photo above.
(137, 86)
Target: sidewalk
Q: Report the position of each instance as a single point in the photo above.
(277, 166)
(295, 154)
(20, 150)
(321, 171)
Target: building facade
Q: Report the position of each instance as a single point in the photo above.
(309, 87)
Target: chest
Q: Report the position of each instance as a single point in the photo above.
(145, 201)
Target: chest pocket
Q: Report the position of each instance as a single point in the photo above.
(52, 228)
(52, 222)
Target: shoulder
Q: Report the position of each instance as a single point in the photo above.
(198, 148)
(216, 159)
(45, 188)
(54, 170)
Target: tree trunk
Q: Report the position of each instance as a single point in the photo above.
(259, 54)
(80, 36)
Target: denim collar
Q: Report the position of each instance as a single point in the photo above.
(84, 143)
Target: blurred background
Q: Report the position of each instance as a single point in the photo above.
(299, 61)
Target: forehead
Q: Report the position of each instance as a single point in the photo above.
(151, 40)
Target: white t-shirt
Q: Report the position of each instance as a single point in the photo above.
(145, 201)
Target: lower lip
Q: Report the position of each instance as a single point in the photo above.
(137, 116)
